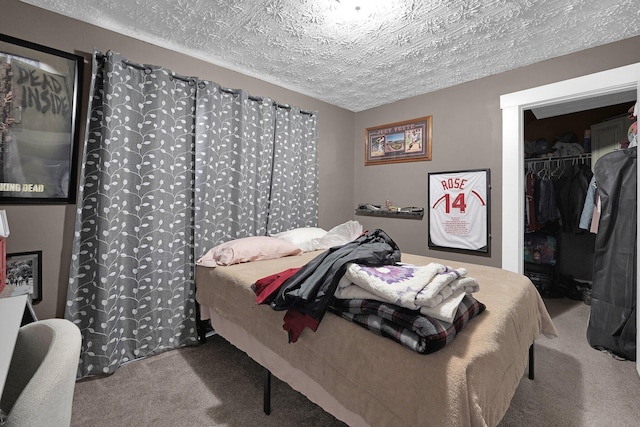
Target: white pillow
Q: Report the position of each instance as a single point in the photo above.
(302, 237)
(338, 235)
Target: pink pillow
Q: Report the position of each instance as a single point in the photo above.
(248, 249)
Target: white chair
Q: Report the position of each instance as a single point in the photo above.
(42, 376)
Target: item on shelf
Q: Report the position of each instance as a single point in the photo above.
(408, 212)
(369, 206)
(538, 148)
(567, 145)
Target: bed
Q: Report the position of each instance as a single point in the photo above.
(367, 380)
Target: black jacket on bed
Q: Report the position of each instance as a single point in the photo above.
(310, 289)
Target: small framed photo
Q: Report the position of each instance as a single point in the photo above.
(408, 141)
(24, 274)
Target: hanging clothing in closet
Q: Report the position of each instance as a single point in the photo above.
(540, 205)
(555, 194)
(591, 211)
(572, 192)
(612, 323)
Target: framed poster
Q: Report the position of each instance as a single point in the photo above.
(24, 274)
(459, 210)
(408, 141)
(39, 126)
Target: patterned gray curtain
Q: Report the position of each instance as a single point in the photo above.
(171, 167)
(233, 175)
(294, 190)
(131, 282)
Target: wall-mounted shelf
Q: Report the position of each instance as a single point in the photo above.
(391, 214)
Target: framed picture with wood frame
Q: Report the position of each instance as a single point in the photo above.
(24, 274)
(408, 141)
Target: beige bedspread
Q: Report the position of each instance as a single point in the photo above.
(468, 383)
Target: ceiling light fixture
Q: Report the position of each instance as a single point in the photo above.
(357, 10)
(350, 4)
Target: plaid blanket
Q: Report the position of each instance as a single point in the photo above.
(420, 333)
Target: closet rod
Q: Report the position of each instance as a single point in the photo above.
(585, 156)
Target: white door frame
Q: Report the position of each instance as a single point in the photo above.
(620, 79)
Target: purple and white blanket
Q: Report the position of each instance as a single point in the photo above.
(435, 289)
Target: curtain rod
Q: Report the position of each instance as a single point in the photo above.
(261, 99)
(148, 70)
(193, 80)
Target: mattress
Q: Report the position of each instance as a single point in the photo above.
(365, 379)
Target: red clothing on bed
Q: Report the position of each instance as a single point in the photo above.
(267, 286)
(294, 321)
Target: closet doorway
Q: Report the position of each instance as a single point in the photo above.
(595, 87)
(560, 155)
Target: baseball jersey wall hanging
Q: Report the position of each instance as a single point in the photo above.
(459, 210)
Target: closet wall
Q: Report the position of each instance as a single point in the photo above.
(575, 250)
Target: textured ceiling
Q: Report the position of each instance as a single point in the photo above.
(386, 51)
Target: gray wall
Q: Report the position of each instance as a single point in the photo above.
(467, 134)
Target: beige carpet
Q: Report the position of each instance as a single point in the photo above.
(214, 384)
(217, 385)
(575, 385)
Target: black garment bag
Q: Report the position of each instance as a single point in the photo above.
(612, 323)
